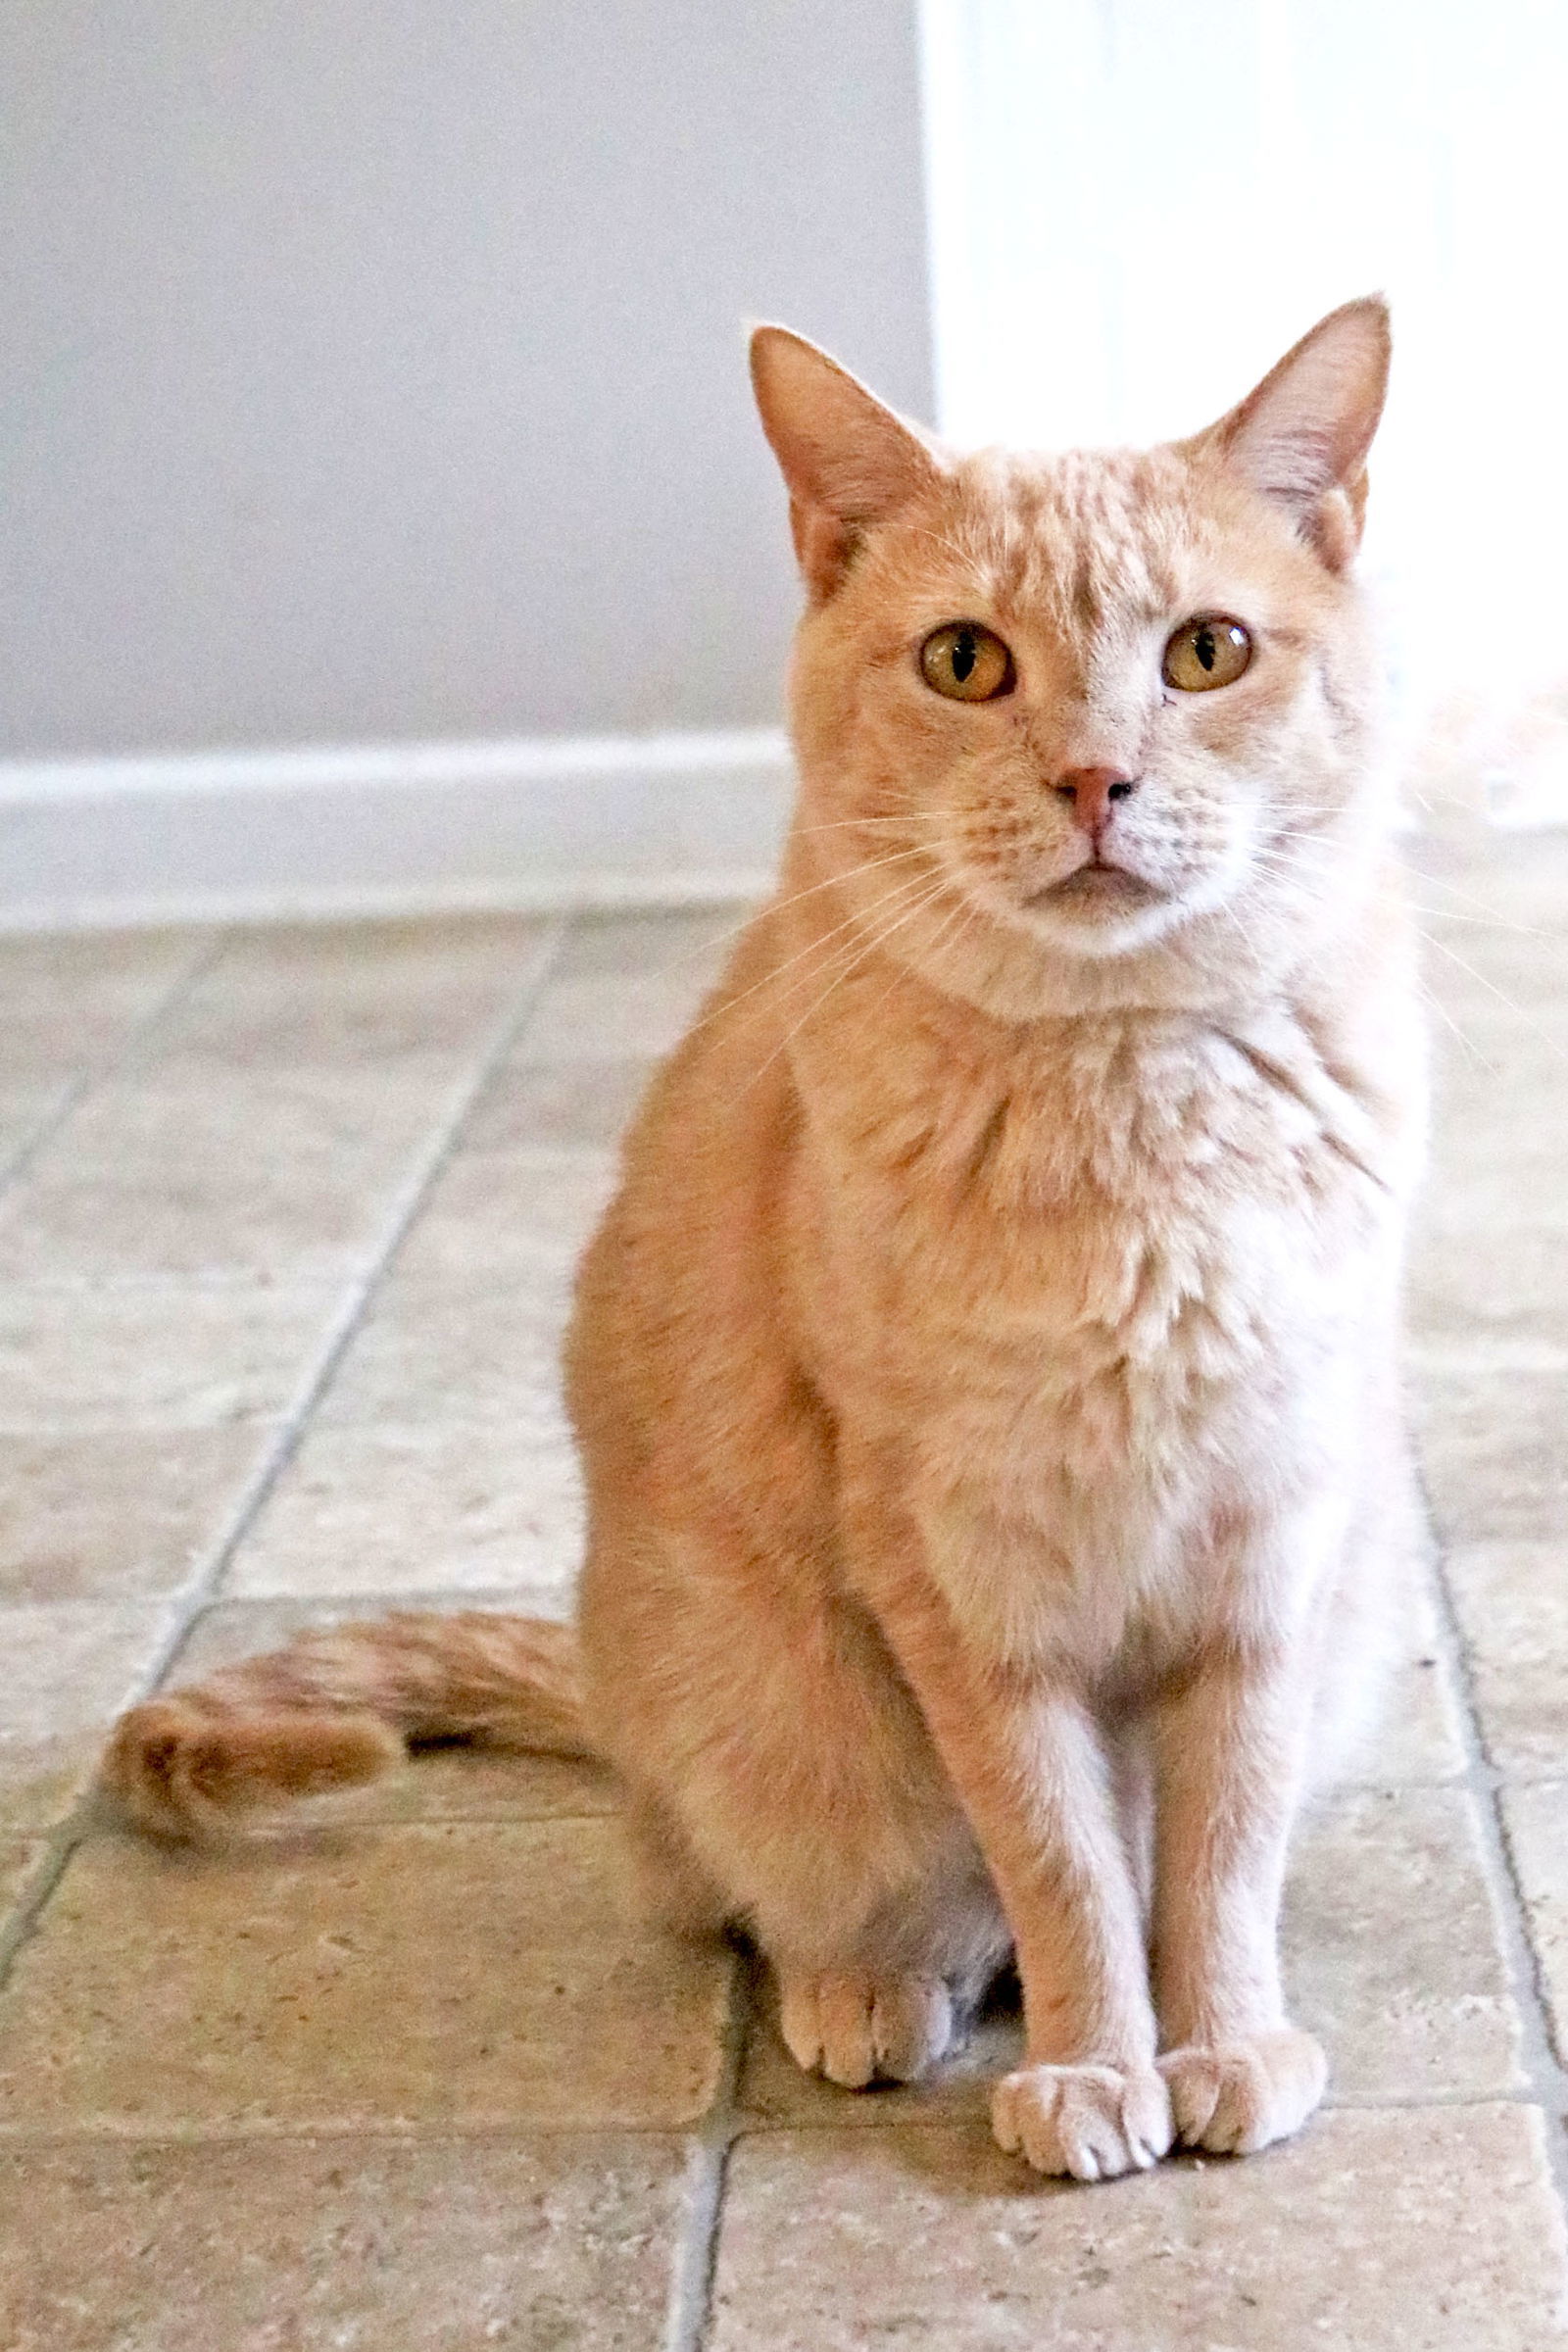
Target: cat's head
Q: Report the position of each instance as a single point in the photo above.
(1077, 729)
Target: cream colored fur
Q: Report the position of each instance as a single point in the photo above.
(986, 1374)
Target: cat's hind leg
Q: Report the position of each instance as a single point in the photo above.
(856, 2027)
(888, 2012)
(783, 1783)
(908, 1998)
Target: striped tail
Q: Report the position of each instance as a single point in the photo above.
(339, 1708)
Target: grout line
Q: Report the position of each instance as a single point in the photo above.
(203, 1586)
(1547, 2078)
(189, 1601)
(691, 2286)
(376, 2130)
(59, 1843)
(39, 1884)
(198, 963)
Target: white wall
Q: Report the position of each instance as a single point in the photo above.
(372, 368)
(1137, 208)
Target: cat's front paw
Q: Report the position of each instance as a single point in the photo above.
(1235, 2097)
(1094, 2121)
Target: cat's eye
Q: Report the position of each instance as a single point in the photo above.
(966, 662)
(1204, 654)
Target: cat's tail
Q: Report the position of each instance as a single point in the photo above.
(339, 1708)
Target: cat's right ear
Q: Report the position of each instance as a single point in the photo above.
(847, 461)
(1300, 437)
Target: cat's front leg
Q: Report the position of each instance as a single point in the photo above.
(1228, 1752)
(1026, 1756)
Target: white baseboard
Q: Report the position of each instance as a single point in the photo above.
(533, 823)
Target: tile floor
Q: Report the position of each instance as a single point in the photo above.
(286, 1223)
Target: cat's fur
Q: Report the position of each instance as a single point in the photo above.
(986, 1375)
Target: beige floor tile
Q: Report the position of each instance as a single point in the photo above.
(1492, 1445)
(1500, 1118)
(1414, 1734)
(1462, 849)
(1492, 1246)
(464, 1505)
(625, 986)
(115, 1514)
(479, 1975)
(158, 1355)
(439, 1784)
(554, 2244)
(70, 1668)
(501, 1212)
(1513, 1603)
(72, 1000)
(459, 1346)
(1392, 1954)
(288, 1173)
(1536, 1820)
(1515, 988)
(1433, 2232)
(1497, 910)
(1391, 1958)
(640, 942)
(1481, 1269)
(569, 1105)
(357, 992)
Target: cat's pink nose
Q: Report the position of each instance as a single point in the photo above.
(1092, 794)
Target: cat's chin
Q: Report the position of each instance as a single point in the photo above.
(1101, 911)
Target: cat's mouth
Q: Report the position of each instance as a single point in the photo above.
(1095, 885)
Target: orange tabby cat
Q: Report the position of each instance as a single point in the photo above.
(985, 1376)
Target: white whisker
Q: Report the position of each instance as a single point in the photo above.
(1446, 1016)
(707, 946)
(1500, 993)
(893, 897)
(879, 940)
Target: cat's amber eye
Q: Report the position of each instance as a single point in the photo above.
(966, 662)
(1204, 654)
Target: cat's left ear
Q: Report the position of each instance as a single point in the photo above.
(1301, 437)
(848, 461)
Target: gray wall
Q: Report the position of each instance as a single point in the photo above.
(373, 369)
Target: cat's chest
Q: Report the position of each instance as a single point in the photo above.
(1152, 1211)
